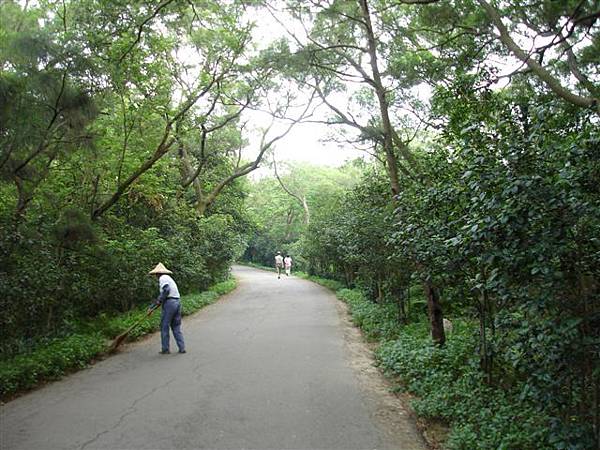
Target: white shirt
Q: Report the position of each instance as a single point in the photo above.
(279, 260)
(166, 279)
(288, 261)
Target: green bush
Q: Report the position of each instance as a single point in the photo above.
(224, 287)
(378, 321)
(50, 362)
(450, 386)
(196, 301)
(58, 287)
(334, 285)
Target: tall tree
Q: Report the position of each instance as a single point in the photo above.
(345, 44)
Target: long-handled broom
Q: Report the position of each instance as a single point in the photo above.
(120, 338)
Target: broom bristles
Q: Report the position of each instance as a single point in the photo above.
(118, 341)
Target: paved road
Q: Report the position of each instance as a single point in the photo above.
(268, 367)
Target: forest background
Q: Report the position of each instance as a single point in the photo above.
(125, 140)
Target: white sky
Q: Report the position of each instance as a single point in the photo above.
(306, 141)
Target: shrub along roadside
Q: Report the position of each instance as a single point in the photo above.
(92, 339)
(255, 265)
(334, 285)
(449, 385)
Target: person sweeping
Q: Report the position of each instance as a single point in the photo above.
(170, 316)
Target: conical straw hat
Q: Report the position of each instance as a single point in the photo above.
(160, 269)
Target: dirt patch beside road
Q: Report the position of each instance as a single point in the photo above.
(392, 413)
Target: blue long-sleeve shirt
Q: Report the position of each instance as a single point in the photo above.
(164, 294)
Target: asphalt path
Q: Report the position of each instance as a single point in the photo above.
(270, 366)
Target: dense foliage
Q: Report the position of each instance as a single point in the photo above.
(281, 209)
(117, 153)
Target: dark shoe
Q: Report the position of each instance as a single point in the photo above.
(164, 352)
(182, 351)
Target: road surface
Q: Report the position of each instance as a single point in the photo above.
(273, 365)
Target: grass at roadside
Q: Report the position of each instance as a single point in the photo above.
(334, 285)
(256, 266)
(62, 355)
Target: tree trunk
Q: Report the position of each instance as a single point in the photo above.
(388, 145)
(306, 211)
(484, 354)
(201, 207)
(597, 413)
(436, 318)
(400, 296)
(186, 171)
(288, 225)
(349, 273)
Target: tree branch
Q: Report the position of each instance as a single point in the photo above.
(245, 169)
(44, 141)
(541, 72)
(301, 200)
(160, 151)
(205, 132)
(161, 6)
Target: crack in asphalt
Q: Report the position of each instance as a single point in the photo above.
(130, 410)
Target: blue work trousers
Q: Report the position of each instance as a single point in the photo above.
(171, 317)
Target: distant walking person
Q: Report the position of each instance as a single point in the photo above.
(287, 261)
(171, 309)
(278, 263)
